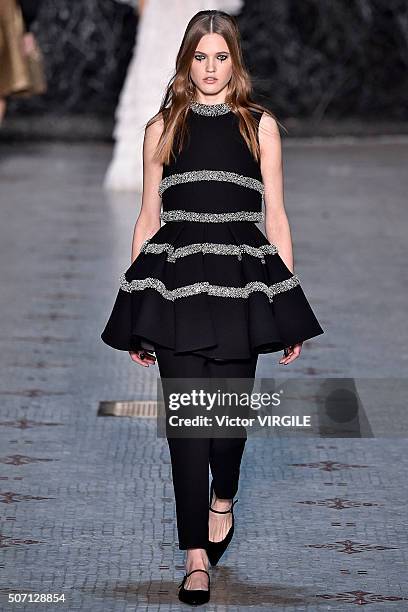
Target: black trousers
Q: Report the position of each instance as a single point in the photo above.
(192, 457)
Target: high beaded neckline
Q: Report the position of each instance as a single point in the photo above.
(210, 110)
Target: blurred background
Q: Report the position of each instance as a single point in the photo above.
(323, 67)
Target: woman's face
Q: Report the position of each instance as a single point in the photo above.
(211, 68)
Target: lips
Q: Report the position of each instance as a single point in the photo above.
(210, 80)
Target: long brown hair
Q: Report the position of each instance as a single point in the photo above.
(180, 90)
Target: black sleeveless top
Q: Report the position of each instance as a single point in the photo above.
(208, 281)
(215, 172)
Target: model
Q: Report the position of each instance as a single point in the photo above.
(160, 29)
(208, 292)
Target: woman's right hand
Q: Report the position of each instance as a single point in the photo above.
(137, 357)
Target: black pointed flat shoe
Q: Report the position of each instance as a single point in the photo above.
(194, 597)
(215, 550)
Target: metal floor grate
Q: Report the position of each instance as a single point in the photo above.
(140, 409)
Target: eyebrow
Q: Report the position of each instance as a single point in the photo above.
(225, 52)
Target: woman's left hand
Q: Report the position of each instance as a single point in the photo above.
(291, 353)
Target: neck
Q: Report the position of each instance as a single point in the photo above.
(210, 99)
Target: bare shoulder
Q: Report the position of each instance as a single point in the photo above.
(268, 126)
(153, 131)
(154, 126)
(269, 138)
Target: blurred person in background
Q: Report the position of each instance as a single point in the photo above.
(160, 30)
(21, 67)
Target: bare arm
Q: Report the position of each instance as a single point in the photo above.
(276, 221)
(148, 221)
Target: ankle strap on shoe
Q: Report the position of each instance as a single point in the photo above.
(224, 511)
(198, 570)
(187, 575)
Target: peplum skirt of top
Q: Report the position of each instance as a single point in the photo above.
(220, 290)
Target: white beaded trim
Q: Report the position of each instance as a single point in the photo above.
(211, 175)
(210, 110)
(206, 287)
(208, 247)
(185, 215)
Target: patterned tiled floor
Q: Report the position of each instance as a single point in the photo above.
(87, 502)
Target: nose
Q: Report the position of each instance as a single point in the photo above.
(210, 66)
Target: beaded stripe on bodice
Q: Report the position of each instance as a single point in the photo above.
(217, 155)
(218, 181)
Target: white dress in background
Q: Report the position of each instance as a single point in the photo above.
(160, 32)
